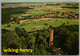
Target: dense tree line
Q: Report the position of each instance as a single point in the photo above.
(7, 12)
(65, 37)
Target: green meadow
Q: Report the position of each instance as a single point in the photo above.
(33, 24)
(41, 23)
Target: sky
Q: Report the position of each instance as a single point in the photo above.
(39, 0)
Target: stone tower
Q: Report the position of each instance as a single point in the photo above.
(51, 38)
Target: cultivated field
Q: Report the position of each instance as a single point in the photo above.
(32, 24)
(38, 16)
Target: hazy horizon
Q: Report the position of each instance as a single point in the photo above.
(39, 1)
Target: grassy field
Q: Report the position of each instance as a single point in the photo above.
(46, 9)
(32, 24)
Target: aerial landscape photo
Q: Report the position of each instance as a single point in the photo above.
(42, 27)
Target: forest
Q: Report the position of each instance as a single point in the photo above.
(7, 12)
(65, 37)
